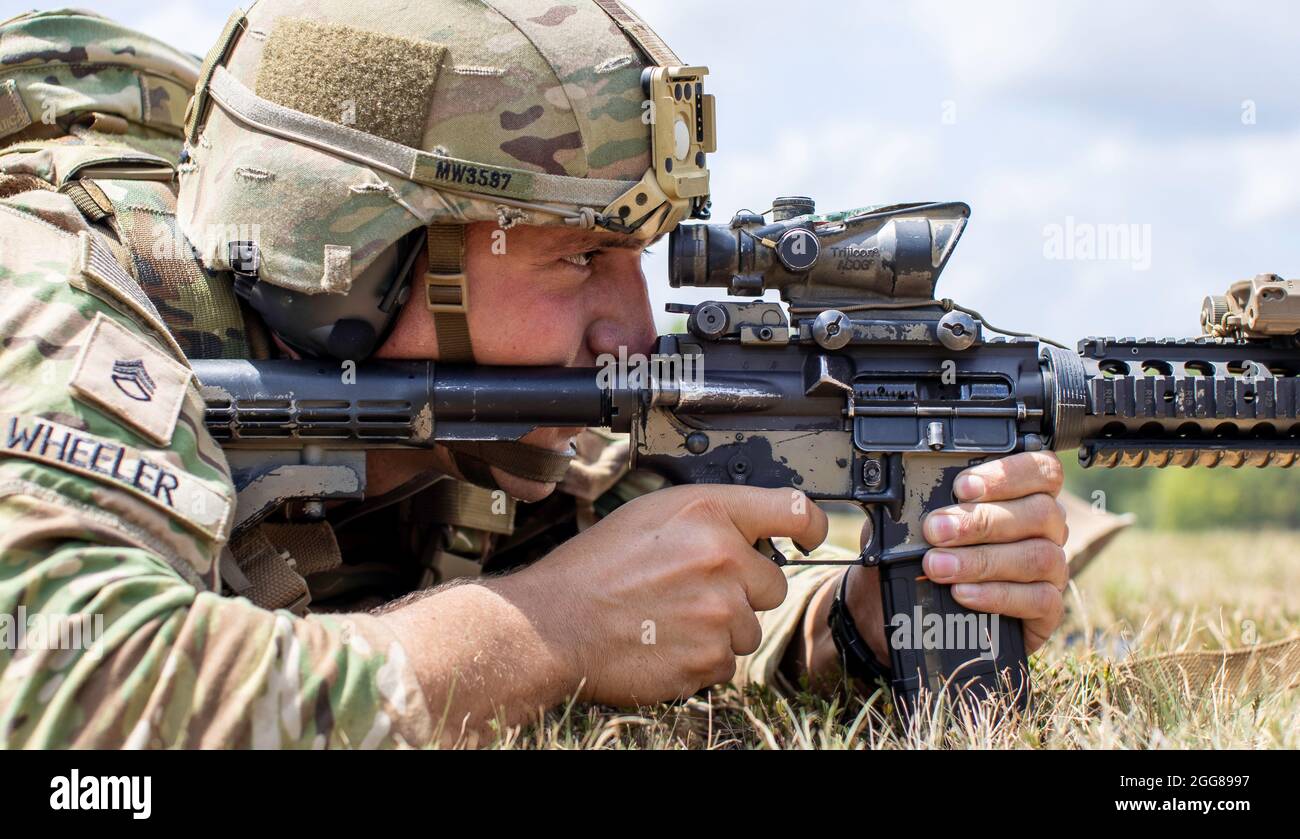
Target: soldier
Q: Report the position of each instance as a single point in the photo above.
(473, 183)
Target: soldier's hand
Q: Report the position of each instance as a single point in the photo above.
(655, 601)
(1001, 549)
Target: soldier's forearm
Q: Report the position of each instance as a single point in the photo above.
(205, 671)
(484, 650)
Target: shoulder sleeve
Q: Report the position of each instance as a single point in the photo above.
(114, 506)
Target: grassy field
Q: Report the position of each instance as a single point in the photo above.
(1149, 593)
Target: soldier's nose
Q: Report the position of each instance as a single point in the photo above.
(635, 335)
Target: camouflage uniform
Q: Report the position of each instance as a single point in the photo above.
(113, 509)
(115, 503)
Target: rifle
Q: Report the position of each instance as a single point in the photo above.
(864, 388)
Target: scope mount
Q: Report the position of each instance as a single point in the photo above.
(766, 322)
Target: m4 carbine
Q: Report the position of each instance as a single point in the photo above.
(864, 388)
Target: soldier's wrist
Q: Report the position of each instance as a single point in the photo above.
(459, 639)
(560, 670)
(861, 587)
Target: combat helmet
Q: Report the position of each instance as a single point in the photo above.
(329, 141)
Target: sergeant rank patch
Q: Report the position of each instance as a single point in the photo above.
(135, 382)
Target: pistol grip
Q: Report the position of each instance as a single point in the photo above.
(936, 645)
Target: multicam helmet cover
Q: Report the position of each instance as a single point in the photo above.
(326, 131)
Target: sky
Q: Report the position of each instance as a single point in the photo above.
(1056, 121)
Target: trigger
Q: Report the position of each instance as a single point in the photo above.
(769, 550)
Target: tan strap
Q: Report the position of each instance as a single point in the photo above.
(462, 504)
(96, 207)
(533, 463)
(272, 580)
(640, 33)
(196, 111)
(270, 564)
(446, 292)
(449, 566)
(454, 551)
(104, 123)
(312, 545)
(90, 199)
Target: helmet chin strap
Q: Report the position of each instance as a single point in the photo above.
(446, 295)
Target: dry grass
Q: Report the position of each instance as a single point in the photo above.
(1148, 593)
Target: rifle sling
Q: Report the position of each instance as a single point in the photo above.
(533, 463)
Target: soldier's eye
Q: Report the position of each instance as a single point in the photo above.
(580, 258)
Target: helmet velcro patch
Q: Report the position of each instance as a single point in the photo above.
(376, 83)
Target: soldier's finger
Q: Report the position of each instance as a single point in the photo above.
(998, 521)
(1027, 561)
(1027, 601)
(764, 582)
(746, 632)
(1011, 477)
(1039, 605)
(760, 512)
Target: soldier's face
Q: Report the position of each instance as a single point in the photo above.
(537, 296)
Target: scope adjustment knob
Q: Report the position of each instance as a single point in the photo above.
(709, 320)
(832, 330)
(792, 206)
(798, 249)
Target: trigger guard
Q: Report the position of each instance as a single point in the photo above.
(874, 549)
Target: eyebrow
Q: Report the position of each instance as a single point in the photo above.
(588, 240)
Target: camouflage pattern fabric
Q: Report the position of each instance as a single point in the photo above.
(63, 64)
(115, 503)
(199, 307)
(549, 90)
